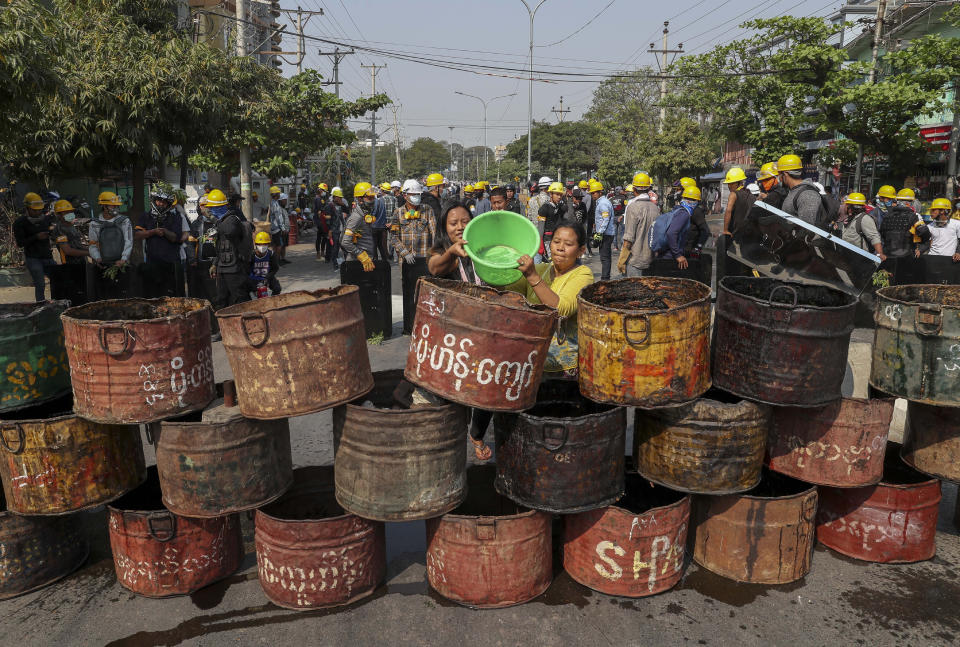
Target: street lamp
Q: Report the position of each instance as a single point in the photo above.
(485, 102)
(532, 13)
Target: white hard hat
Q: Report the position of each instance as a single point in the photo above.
(395, 184)
(282, 196)
(753, 188)
(412, 186)
(820, 188)
(545, 181)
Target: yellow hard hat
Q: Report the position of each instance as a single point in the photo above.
(556, 187)
(434, 179)
(691, 192)
(594, 186)
(275, 190)
(687, 181)
(735, 174)
(33, 201)
(216, 198)
(906, 194)
(789, 163)
(856, 198)
(337, 192)
(297, 209)
(323, 185)
(109, 198)
(887, 191)
(362, 189)
(768, 171)
(628, 188)
(468, 188)
(641, 180)
(941, 203)
(62, 206)
(385, 186)
(583, 184)
(262, 238)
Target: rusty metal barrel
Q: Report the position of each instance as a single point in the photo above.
(633, 548)
(894, 521)
(396, 464)
(781, 343)
(489, 552)
(159, 554)
(310, 553)
(931, 440)
(297, 352)
(564, 455)
(714, 445)
(839, 445)
(218, 462)
(916, 346)
(765, 536)
(644, 342)
(53, 462)
(33, 360)
(478, 346)
(139, 360)
(35, 551)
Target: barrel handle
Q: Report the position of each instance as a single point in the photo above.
(251, 316)
(646, 332)
(486, 528)
(929, 320)
(21, 438)
(561, 334)
(793, 291)
(127, 336)
(550, 434)
(167, 524)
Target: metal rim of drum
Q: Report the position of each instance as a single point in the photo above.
(646, 313)
(73, 568)
(37, 311)
(722, 286)
(505, 295)
(242, 309)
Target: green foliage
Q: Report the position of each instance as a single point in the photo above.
(573, 146)
(26, 52)
(424, 156)
(275, 168)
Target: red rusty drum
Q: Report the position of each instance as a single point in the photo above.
(893, 521)
(931, 440)
(478, 346)
(764, 536)
(311, 554)
(139, 360)
(840, 445)
(158, 554)
(634, 548)
(489, 552)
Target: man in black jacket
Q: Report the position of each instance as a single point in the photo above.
(234, 251)
(32, 233)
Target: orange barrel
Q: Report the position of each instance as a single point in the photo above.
(139, 360)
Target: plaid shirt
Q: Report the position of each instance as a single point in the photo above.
(413, 235)
(390, 205)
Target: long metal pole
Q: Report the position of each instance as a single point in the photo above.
(877, 35)
(532, 13)
(451, 151)
(485, 103)
(954, 137)
(245, 188)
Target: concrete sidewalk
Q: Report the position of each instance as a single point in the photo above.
(842, 601)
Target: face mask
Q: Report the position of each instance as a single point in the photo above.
(414, 199)
(69, 217)
(366, 206)
(261, 249)
(219, 212)
(690, 203)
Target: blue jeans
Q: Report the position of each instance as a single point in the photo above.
(39, 268)
(619, 243)
(606, 256)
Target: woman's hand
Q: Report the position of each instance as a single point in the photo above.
(457, 249)
(526, 266)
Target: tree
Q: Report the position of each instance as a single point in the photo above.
(573, 146)
(423, 156)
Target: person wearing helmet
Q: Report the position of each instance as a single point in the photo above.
(739, 201)
(263, 267)
(110, 243)
(68, 278)
(468, 201)
(898, 227)
(943, 234)
(431, 197)
(604, 226)
(638, 218)
(884, 200)
(513, 203)
(280, 226)
(668, 239)
(536, 201)
(772, 191)
(803, 198)
(335, 214)
(483, 203)
(160, 230)
(357, 240)
(32, 234)
(861, 228)
(578, 210)
(396, 188)
(386, 206)
(413, 226)
(234, 245)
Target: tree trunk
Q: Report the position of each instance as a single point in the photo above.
(184, 154)
(136, 202)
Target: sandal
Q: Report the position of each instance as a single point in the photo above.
(482, 450)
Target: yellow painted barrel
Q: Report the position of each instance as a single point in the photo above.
(644, 342)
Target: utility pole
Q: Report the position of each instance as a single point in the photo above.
(374, 68)
(877, 36)
(954, 139)
(451, 151)
(336, 83)
(532, 13)
(245, 189)
(301, 23)
(662, 64)
(561, 112)
(396, 130)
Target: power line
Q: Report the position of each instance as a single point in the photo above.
(581, 28)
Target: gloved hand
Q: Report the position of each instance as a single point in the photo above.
(367, 262)
(409, 258)
(598, 238)
(622, 261)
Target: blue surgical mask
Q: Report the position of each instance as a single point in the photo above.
(692, 204)
(69, 217)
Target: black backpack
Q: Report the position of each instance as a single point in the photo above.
(110, 239)
(829, 209)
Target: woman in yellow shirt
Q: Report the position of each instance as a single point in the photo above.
(557, 284)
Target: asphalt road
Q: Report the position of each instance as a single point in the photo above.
(842, 601)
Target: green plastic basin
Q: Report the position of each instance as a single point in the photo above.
(495, 240)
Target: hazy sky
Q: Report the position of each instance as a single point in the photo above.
(496, 33)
